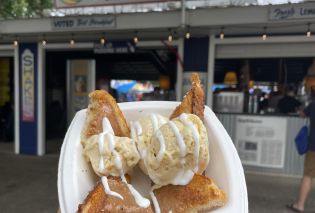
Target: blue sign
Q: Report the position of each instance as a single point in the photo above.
(28, 93)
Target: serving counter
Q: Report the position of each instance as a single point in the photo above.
(265, 143)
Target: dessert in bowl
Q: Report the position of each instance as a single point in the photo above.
(163, 158)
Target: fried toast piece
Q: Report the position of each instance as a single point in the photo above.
(99, 202)
(201, 194)
(102, 104)
(193, 101)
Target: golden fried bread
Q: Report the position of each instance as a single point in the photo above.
(201, 194)
(102, 104)
(99, 202)
(193, 101)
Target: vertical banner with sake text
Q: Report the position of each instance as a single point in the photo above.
(28, 92)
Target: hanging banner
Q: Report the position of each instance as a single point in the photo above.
(260, 141)
(91, 3)
(28, 125)
(28, 85)
(292, 11)
(79, 23)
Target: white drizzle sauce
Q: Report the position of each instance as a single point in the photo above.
(108, 131)
(101, 165)
(180, 141)
(132, 131)
(155, 203)
(183, 177)
(101, 151)
(170, 211)
(161, 119)
(107, 189)
(107, 126)
(161, 152)
(183, 118)
(154, 121)
(141, 201)
(138, 128)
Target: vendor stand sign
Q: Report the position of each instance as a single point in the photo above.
(79, 23)
(292, 11)
(260, 140)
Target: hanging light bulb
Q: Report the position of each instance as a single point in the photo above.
(308, 33)
(187, 35)
(135, 38)
(72, 42)
(15, 42)
(44, 41)
(102, 40)
(222, 33)
(264, 35)
(170, 36)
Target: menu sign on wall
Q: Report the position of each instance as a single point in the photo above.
(292, 11)
(260, 141)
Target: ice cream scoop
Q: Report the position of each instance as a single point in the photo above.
(177, 150)
(99, 151)
(142, 132)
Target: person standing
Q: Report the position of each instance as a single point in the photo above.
(288, 103)
(309, 161)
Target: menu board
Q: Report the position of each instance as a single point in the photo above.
(260, 141)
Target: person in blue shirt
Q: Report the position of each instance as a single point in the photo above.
(309, 161)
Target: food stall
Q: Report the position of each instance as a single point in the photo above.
(245, 101)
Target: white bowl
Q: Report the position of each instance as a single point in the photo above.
(76, 177)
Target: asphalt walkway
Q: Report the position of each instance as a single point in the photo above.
(28, 184)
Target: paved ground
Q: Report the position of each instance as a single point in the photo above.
(29, 184)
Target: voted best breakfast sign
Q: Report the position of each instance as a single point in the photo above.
(77, 23)
(292, 11)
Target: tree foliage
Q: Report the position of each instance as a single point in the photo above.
(23, 8)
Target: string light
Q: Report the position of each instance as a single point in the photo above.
(170, 36)
(187, 35)
(135, 38)
(308, 33)
(102, 40)
(44, 41)
(264, 35)
(222, 33)
(15, 42)
(72, 42)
